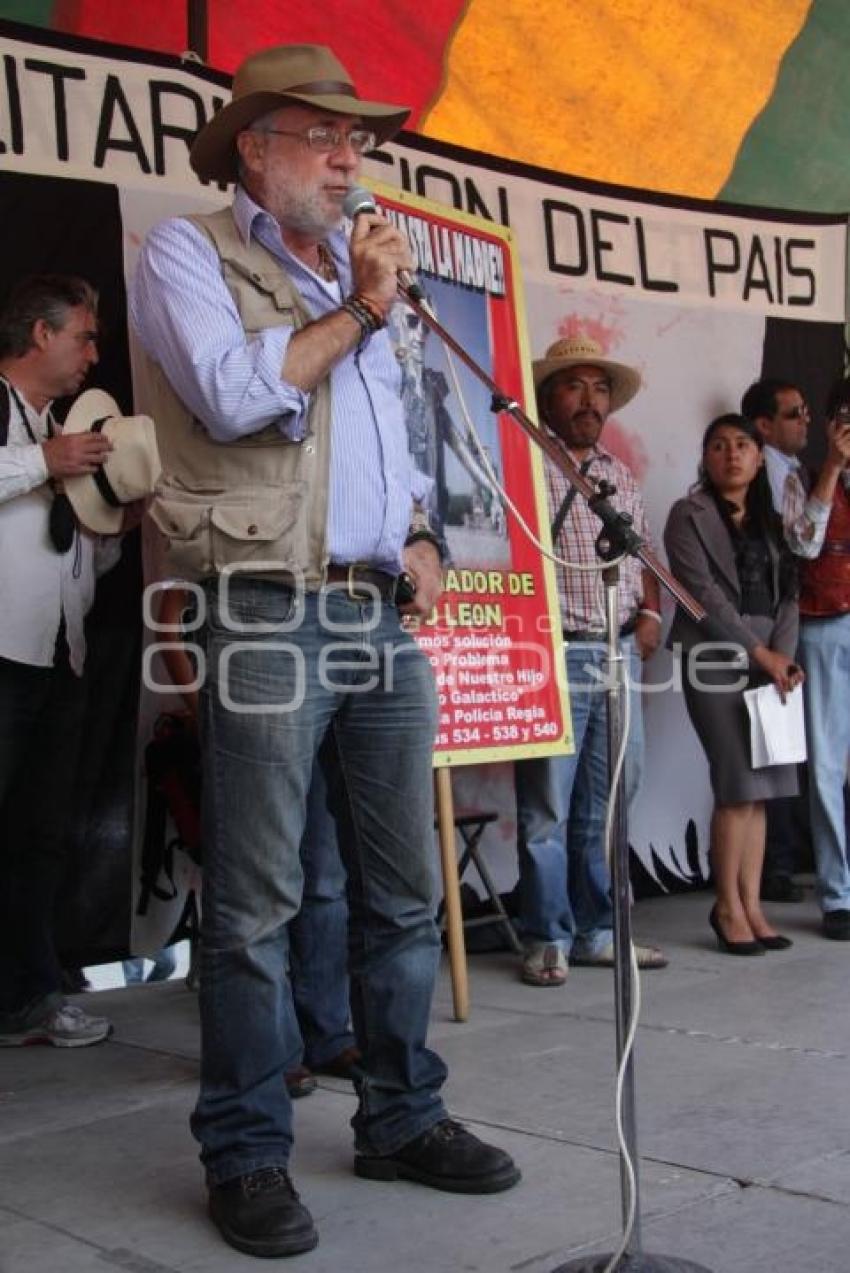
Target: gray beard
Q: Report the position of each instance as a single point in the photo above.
(304, 213)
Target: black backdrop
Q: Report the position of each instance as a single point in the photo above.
(54, 225)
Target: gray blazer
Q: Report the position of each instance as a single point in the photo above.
(701, 557)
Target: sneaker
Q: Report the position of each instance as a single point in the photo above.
(544, 965)
(648, 957)
(64, 1025)
(446, 1157)
(261, 1214)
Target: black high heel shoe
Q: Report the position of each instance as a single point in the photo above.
(775, 943)
(733, 947)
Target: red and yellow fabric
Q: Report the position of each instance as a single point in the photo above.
(703, 98)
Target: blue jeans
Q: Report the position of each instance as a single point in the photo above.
(164, 964)
(824, 652)
(562, 801)
(324, 661)
(318, 935)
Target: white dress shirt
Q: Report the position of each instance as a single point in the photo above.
(38, 585)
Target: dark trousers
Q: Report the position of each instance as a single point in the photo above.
(788, 846)
(41, 718)
(788, 834)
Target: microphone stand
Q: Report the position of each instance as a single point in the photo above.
(616, 537)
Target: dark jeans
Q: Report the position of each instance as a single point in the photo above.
(41, 718)
(280, 673)
(318, 935)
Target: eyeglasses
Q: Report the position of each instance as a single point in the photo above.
(323, 138)
(795, 413)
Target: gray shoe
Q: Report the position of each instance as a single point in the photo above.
(61, 1025)
(647, 957)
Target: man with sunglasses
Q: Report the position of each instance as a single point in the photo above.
(289, 493)
(778, 410)
(808, 513)
(780, 413)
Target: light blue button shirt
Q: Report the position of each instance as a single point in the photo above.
(778, 465)
(186, 320)
(805, 525)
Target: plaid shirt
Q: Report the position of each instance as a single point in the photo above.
(581, 593)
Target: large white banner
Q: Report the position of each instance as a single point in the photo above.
(702, 298)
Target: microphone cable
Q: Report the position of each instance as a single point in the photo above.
(634, 973)
(473, 439)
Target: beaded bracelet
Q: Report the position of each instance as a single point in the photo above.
(360, 318)
(365, 312)
(378, 316)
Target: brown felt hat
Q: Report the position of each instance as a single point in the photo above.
(582, 351)
(288, 73)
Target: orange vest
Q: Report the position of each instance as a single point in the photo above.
(825, 582)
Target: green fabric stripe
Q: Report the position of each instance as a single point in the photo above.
(797, 151)
(38, 13)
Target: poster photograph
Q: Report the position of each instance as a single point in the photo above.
(494, 635)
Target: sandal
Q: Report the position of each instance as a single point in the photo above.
(544, 965)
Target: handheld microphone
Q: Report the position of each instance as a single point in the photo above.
(360, 200)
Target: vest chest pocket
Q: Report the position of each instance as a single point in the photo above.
(184, 539)
(200, 538)
(264, 297)
(266, 529)
(257, 314)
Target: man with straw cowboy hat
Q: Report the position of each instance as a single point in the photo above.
(565, 904)
(288, 492)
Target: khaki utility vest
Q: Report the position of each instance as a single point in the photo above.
(260, 502)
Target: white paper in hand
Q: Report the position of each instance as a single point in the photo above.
(777, 729)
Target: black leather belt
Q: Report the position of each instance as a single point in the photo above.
(363, 582)
(597, 638)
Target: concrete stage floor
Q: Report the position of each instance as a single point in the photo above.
(743, 1069)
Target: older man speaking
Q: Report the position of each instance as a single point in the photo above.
(272, 379)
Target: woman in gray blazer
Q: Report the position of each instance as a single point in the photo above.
(725, 543)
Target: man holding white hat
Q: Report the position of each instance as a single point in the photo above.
(565, 905)
(288, 491)
(51, 483)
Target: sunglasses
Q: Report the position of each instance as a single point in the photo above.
(795, 413)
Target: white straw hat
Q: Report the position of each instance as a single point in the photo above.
(580, 351)
(128, 473)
